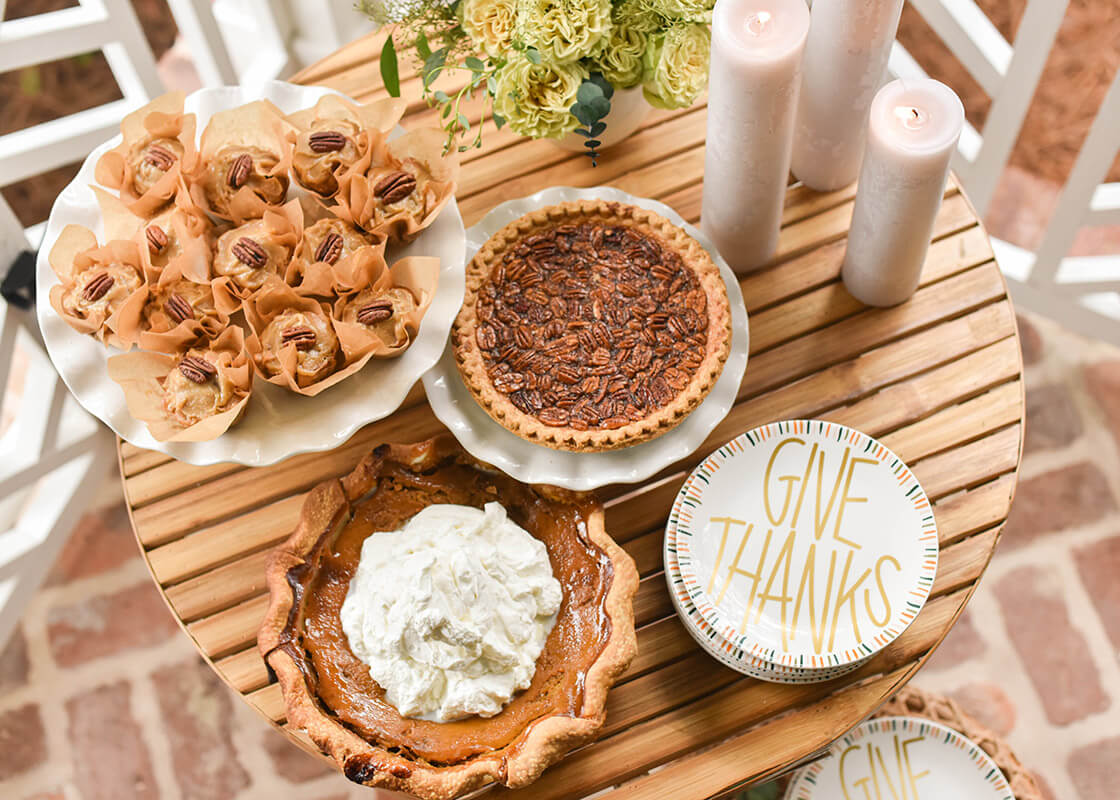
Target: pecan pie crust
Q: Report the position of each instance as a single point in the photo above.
(328, 692)
(592, 325)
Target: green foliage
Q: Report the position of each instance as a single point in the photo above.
(593, 103)
(432, 35)
(390, 70)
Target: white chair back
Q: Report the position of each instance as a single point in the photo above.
(1081, 293)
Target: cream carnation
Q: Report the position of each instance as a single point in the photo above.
(536, 99)
(489, 23)
(676, 66)
(621, 60)
(563, 31)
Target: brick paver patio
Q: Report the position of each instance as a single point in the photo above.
(102, 698)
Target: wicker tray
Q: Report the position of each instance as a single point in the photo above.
(938, 380)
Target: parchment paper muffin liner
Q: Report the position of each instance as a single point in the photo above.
(353, 270)
(285, 225)
(77, 253)
(142, 377)
(259, 130)
(365, 127)
(163, 118)
(265, 306)
(186, 252)
(419, 153)
(418, 275)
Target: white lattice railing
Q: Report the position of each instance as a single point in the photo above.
(1080, 292)
(54, 459)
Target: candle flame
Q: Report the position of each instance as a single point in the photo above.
(912, 118)
(759, 22)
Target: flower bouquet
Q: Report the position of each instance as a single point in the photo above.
(545, 68)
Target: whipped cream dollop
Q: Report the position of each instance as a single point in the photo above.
(451, 611)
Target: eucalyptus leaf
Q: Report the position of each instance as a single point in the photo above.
(591, 144)
(599, 107)
(390, 71)
(474, 64)
(533, 54)
(499, 121)
(588, 92)
(604, 85)
(597, 128)
(584, 114)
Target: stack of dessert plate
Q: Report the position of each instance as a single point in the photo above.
(798, 550)
(902, 757)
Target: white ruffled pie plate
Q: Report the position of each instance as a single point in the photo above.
(278, 423)
(485, 439)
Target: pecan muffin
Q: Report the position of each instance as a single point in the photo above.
(382, 311)
(151, 160)
(330, 241)
(307, 334)
(100, 290)
(249, 254)
(235, 167)
(196, 389)
(178, 313)
(325, 149)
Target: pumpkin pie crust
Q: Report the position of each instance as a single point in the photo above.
(329, 693)
(592, 325)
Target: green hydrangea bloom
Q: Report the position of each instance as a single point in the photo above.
(563, 31)
(676, 66)
(536, 99)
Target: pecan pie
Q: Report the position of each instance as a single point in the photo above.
(592, 326)
(328, 690)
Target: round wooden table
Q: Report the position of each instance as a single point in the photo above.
(937, 379)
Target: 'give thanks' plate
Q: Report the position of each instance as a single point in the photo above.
(902, 757)
(801, 546)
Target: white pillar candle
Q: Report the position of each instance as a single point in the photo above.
(912, 132)
(752, 101)
(845, 64)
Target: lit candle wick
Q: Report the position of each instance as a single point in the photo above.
(913, 119)
(759, 22)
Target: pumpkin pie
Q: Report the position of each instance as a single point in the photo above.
(328, 690)
(592, 325)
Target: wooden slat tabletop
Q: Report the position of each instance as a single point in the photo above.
(937, 379)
